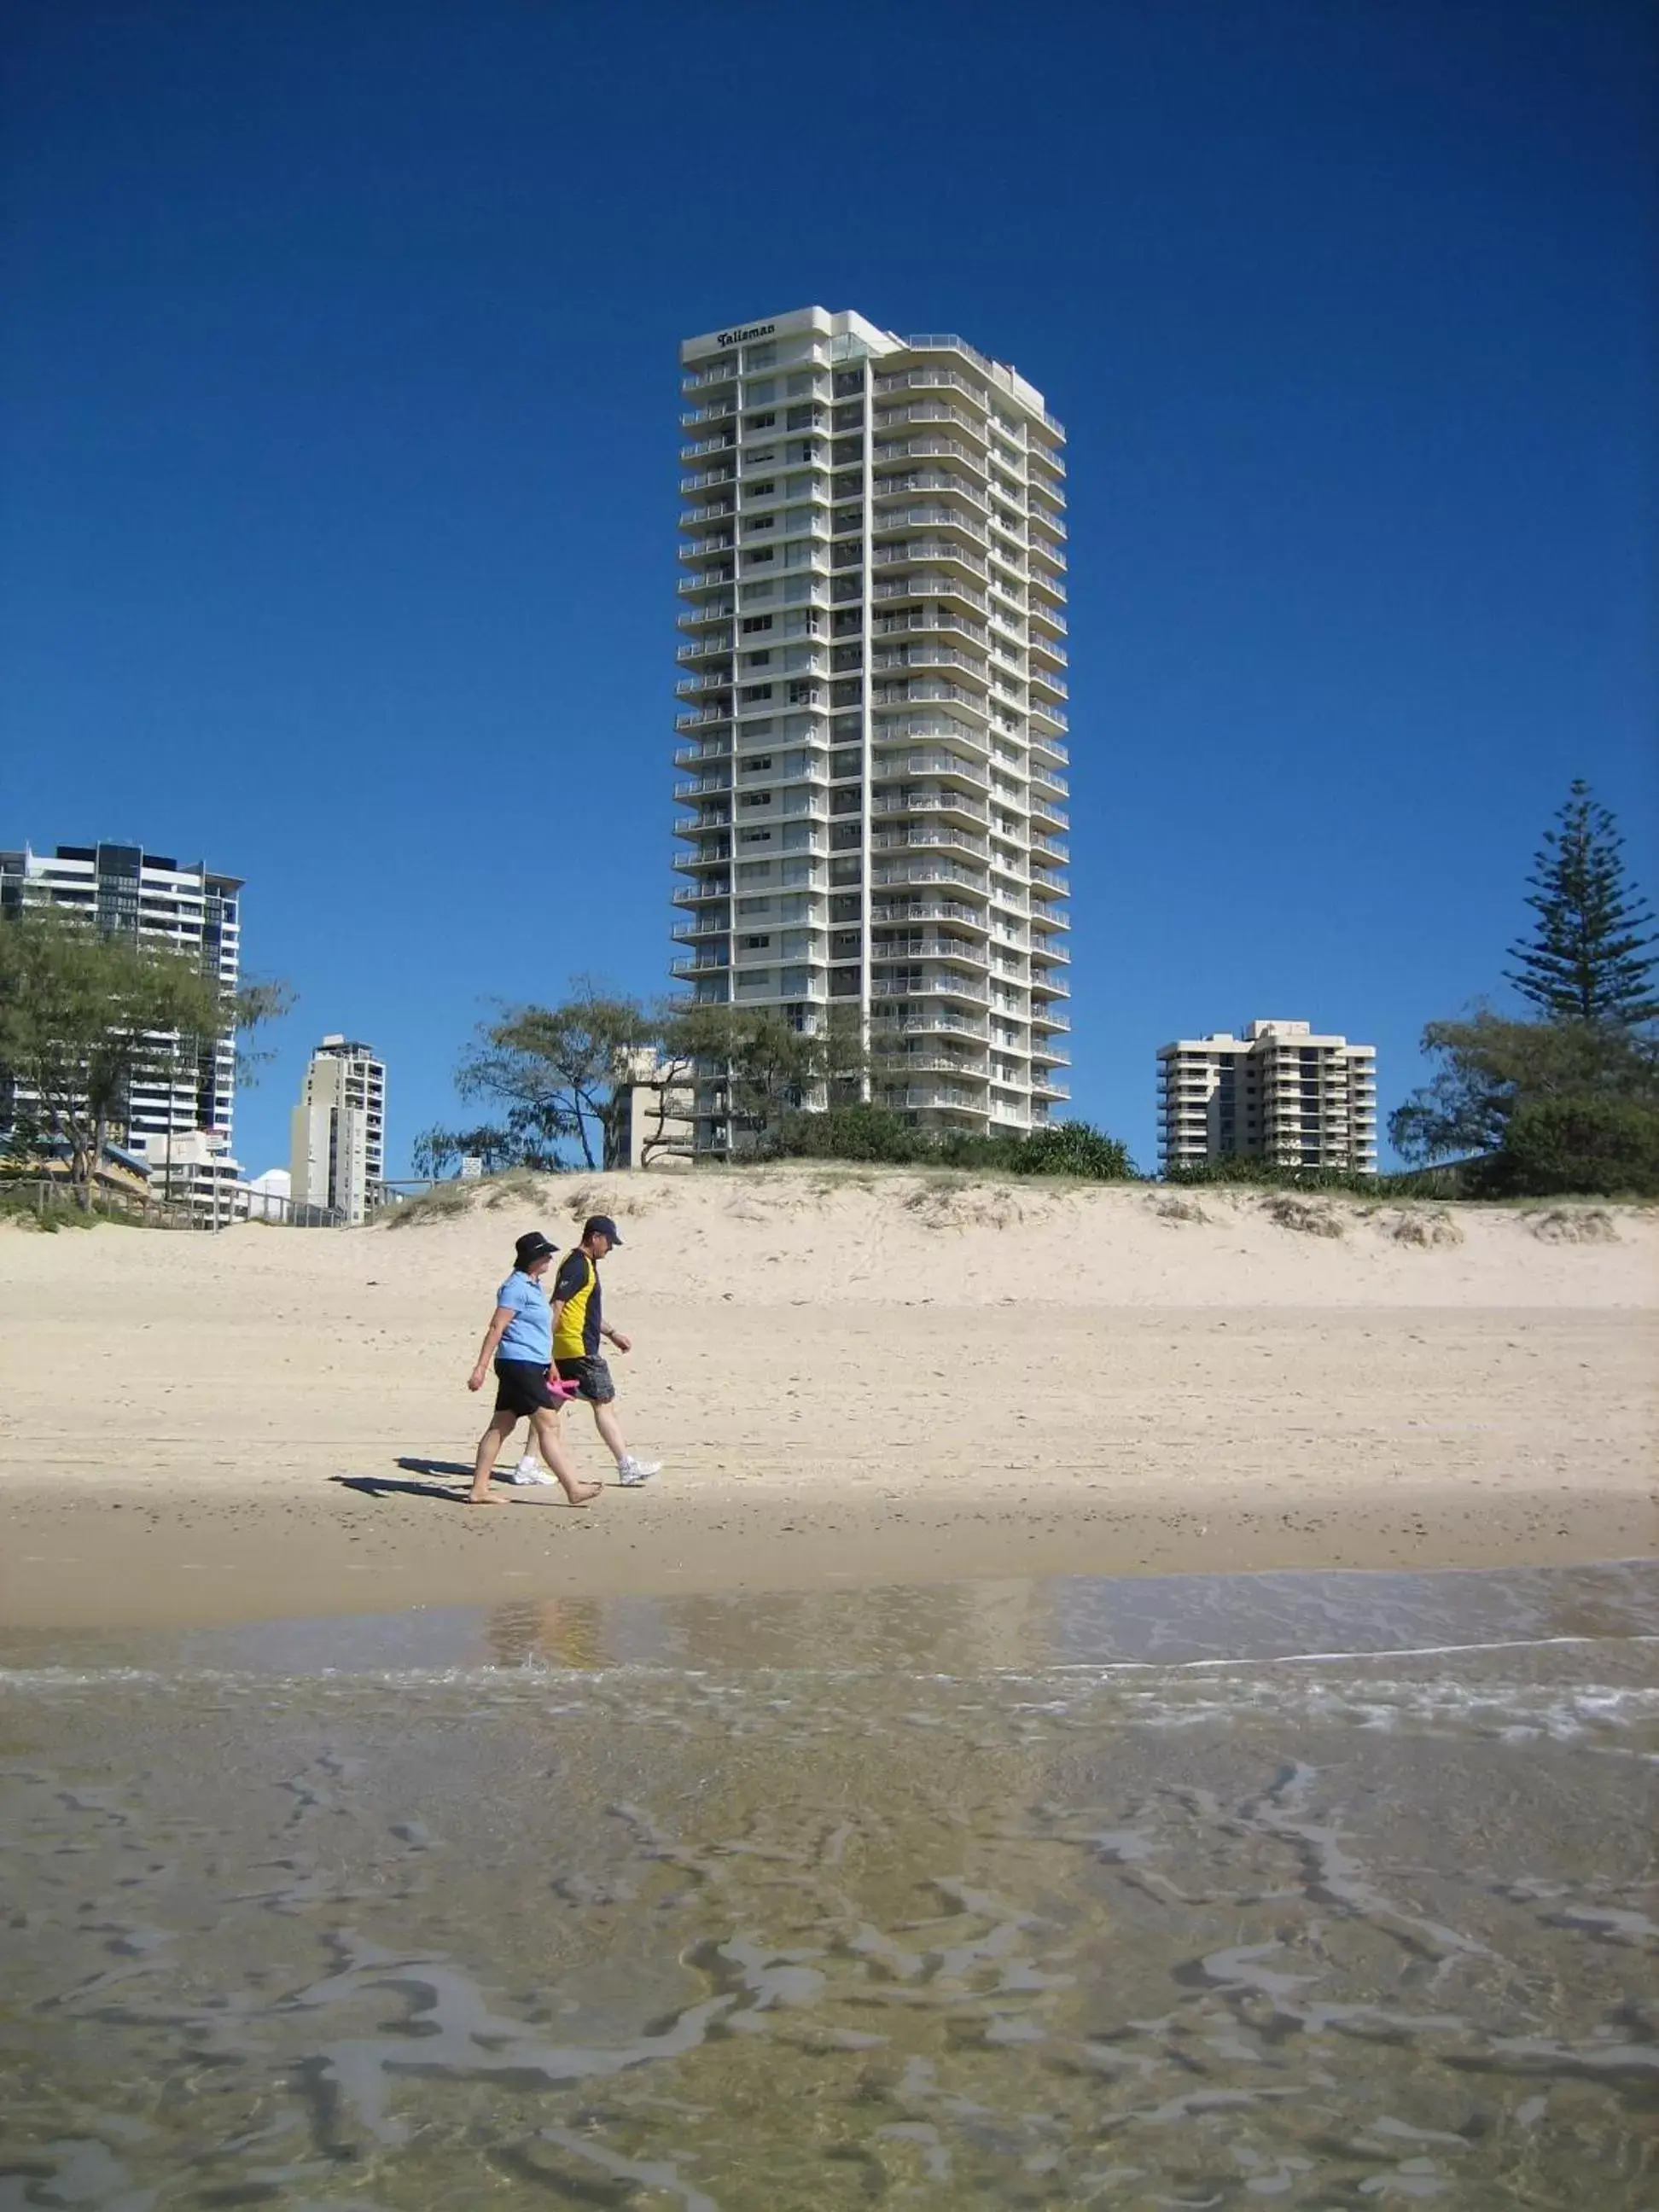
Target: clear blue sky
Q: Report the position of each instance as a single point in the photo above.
(338, 396)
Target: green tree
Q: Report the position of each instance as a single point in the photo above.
(1588, 959)
(762, 1068)
(435, 1151)
(1490, 1066)
(561, 1072)
(85, 1015)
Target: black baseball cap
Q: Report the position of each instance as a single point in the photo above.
(600, 1225)
(532, 1246)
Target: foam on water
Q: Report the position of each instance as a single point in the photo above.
(1018, 1896)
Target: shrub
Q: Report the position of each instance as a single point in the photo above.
(1593, 1147)
(873, 1132)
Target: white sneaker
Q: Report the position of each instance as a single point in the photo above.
(527, 1473)
(632, 1472)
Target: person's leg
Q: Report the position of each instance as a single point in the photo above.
(529, 1470)
(501, 1426)
(546, 1426)
(601, 1395)
(609, 1428)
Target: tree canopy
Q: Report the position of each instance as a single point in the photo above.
(85, 1015)
(1587, 958)
(1567, 1097)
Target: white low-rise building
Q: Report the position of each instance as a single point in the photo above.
(1278, 1092)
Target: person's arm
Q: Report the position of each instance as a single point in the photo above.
(500, 1321)
(622, 1343)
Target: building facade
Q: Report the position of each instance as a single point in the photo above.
(337, 1143)
(125, 890)
(872, 717)
(1278, 1093)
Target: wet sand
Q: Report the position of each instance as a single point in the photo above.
(853, 1381)
(973, 1896)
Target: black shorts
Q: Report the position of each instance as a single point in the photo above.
(591, 1376)
(521, 1387)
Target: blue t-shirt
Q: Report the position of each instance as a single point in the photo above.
(529, 1335)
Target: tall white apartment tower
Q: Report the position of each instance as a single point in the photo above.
(872, 688)
(337, 1146)
(125, 890)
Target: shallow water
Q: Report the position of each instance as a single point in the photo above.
(1066, 1894)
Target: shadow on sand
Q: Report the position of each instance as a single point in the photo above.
(386, 1486)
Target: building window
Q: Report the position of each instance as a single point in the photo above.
(757, 659)
(759, 421)
(754, 836)
(755, 799)
(755, 692)
(756, 622)
(756, 944)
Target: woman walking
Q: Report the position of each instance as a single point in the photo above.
(520, 1343)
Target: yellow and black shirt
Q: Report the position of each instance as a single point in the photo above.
(576, 1287)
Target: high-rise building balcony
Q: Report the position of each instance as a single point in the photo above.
(713, 852)
(939, 586)
(913, 803)
(890, 948)
(957, 768)
(700, 649)
(707, 610)
(909, 552)
(708, 579)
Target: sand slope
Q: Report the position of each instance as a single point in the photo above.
(852, 1374)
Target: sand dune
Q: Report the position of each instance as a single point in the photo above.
(852, 1374)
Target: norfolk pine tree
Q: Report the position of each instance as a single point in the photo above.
(1588, 959)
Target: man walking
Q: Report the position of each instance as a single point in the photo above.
(579, 1326)
(520, 1343)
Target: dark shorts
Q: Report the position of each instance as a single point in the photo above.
(521, 1387)
(591, 1378)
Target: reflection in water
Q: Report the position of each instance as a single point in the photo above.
(711, 1905)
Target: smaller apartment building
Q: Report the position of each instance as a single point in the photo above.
(1278, 1092)
(337, 1155)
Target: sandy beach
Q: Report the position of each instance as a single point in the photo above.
(851, 1376)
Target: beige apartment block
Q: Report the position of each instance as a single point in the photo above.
(1278, 1092)
(872, 709)
(337, 1150)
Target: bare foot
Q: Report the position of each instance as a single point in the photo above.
(582, 1493)
(486, 1500)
